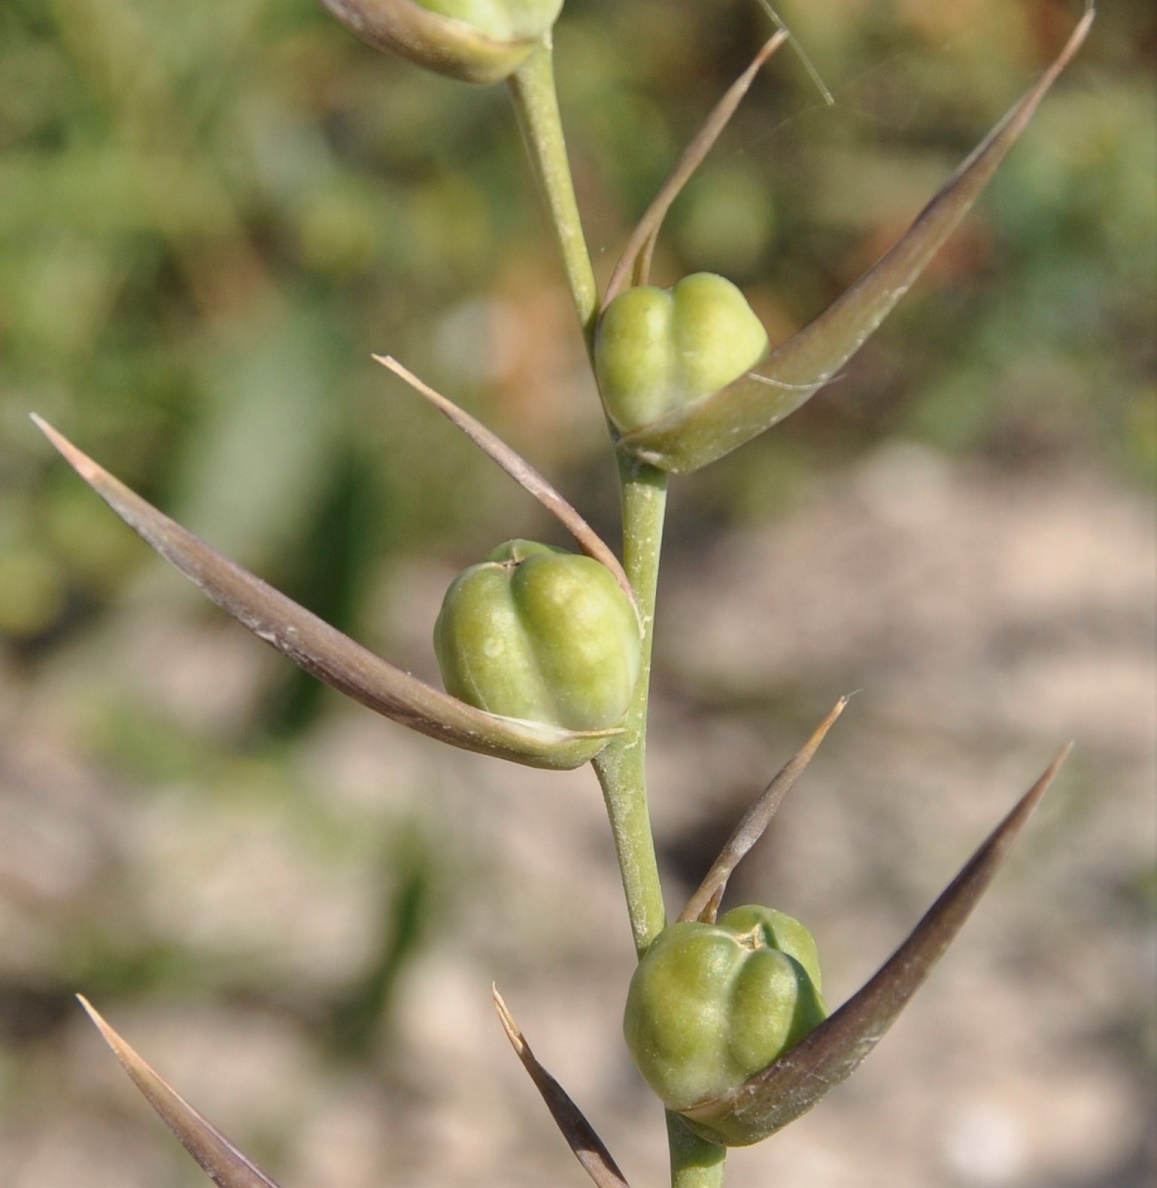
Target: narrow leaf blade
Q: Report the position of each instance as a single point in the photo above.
(700, 433)
(324, 651)
(221, 1161)
(834, 1050)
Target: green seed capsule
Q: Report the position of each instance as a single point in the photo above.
(711, 1005)
(476, 41)
(504, 20)
(658, 349)
(537, 633)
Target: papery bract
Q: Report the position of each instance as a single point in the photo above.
(324, 651)
(697, 432)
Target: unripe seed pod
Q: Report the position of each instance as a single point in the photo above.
(477, 41)
(711, 1005)
(504, 20)
(537, 633)
(659, 349)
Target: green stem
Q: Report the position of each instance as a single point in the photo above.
(621, 766)
(536, 102)
(695, 1163)
(621, 769)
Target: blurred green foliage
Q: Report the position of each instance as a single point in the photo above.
(210, 216)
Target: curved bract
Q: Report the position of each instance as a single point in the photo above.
(476, 41)
(699, 432)
(792, 1084)
(324, 651)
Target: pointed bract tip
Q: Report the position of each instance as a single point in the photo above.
(518, 468)
(580, 1135)
(829, 1054)
(221, 1161)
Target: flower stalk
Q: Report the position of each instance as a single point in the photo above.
(695, 1162)
(536, 106)
(622, 764)
(536, 691)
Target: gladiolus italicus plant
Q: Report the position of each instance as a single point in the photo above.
(546, 654)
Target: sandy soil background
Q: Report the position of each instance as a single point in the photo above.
(986, 616)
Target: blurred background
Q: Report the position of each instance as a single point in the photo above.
(210, 216)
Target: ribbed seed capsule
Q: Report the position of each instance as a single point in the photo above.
(476, 41)
(711, 1005)
(503, 20)
(537, 633)
(659, 349)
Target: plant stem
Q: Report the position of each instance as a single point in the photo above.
(695, 1163)
(536, 103)
(622, 772)
(621, 766)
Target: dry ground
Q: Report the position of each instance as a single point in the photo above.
(987, 618)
